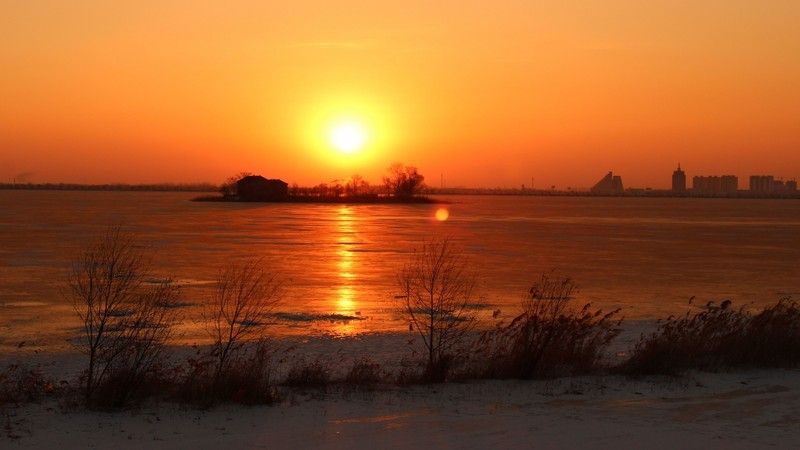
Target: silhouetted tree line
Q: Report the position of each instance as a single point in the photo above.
(353, 186)
(400, 181)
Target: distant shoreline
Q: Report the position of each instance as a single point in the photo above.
(366, 200)
(202, 187)
(162, 187)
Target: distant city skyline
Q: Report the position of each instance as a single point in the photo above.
(486, 94)
(438, 180)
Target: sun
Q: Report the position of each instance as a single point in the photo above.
(347, 137)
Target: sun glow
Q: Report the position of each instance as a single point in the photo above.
(347, 137)
(348, 133)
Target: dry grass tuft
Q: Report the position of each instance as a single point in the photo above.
(720, 338)
(549, 338)
(364, 373)
(19, 384)
(308, 375)
(245, 379)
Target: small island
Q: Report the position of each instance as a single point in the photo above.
(402, 184)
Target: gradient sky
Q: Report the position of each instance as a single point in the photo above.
(485, 93)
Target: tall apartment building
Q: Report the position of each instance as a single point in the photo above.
(679, 180)
(765, 184)
(726, 184)
(762, 183)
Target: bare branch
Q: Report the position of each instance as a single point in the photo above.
(245, 293)
(438, 289)
(126, 322)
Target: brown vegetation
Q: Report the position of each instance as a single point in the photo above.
(20, 384)
(719, 338)
(364, 373)
(549, 338)
(302, 374)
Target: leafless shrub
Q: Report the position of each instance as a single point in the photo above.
(549, 338)
(437, 290)
(236, 315)
(125, 321)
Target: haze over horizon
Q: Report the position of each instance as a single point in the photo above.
(486, 94)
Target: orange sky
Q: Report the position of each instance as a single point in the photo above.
(486, 93)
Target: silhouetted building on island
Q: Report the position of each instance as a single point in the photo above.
(256, 187)
(679, 180)
(610, 184)
(726, 184)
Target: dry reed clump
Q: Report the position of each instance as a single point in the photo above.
(549, 338)
(364, 373)
(773, 337)
(19, 384)
(246, 378)
(695, 341)
(304, 374)
(720, 338)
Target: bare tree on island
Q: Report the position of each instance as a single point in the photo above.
(228, 187)
(403, 181)
(245, 293)
(356, 185)
(125, 321)
(437, 292)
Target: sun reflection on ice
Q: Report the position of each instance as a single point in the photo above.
(344, 302)
(442, 214)
(347, 265)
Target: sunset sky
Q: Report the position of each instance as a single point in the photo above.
(485, 93)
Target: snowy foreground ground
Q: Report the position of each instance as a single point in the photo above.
(754, 409)
(749, 409)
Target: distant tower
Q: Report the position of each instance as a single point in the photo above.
(678, 180)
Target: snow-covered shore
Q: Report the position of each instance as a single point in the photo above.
(751, 409)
